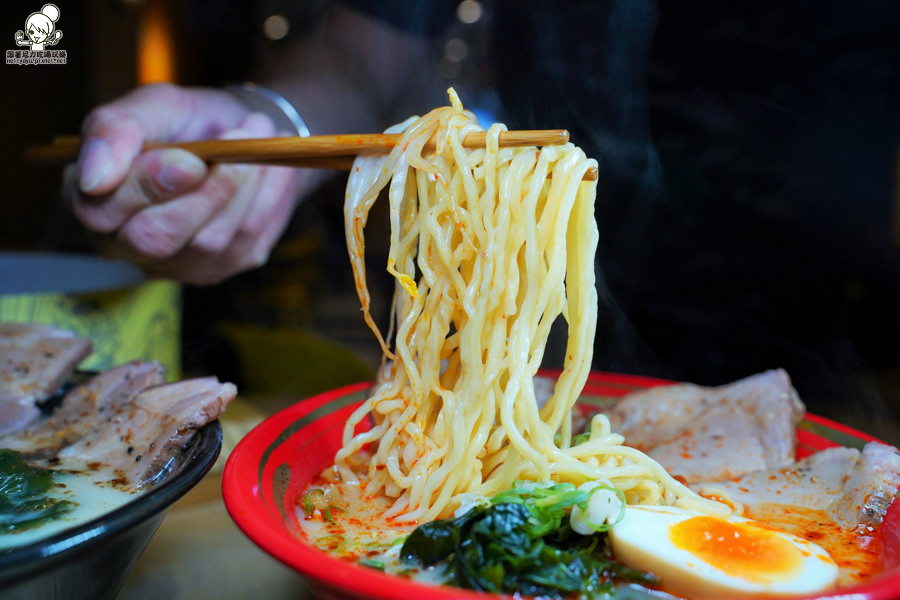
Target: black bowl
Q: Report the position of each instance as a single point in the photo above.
(92, 561)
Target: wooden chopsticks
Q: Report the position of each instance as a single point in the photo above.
(321, 151)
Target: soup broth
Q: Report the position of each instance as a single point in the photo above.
(91, 495)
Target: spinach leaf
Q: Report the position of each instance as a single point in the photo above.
(24, 502)
(435, 541)
(522, 543)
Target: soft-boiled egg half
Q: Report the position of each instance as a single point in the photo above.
(700, 556)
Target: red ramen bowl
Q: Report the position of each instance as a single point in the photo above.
(275, 463)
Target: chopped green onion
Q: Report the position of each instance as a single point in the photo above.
(581, 438)
(606, 525)
(327, 512)
(309, 506)
(372, 563)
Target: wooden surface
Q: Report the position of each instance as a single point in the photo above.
(198, 553)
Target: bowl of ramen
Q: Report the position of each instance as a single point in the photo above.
(91, 461)
(93, 558)
(464, 469)
(271, 477)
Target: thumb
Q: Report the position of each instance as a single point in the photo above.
(111, 142)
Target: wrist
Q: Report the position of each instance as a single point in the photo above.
(262, 99)
(259, 98)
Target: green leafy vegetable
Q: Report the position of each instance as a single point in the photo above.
(523, 543)
(24, 502)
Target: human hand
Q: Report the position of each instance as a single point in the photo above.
(166, 210)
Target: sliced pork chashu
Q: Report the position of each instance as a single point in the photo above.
(84, 408)
(35, 360)
(141, 437)
(700, 433)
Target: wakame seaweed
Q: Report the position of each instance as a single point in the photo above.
(24, 502)
(522, 543)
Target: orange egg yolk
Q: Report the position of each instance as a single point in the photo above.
(738, 549)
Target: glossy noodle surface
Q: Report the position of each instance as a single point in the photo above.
(489, 247)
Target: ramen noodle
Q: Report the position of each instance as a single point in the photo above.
(489, 247)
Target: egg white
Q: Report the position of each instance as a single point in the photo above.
(641, 540)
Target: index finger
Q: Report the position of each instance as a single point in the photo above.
(154, 177)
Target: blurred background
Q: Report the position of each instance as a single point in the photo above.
(749, 178)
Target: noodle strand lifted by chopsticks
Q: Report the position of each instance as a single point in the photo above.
(489, 247)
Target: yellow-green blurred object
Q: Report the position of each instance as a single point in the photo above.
(278, 360)
(125, 316)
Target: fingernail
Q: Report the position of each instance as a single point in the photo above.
(180, 171)
(96, 161)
